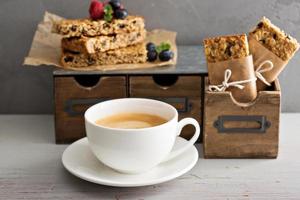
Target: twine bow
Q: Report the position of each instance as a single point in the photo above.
(226, 84)
(260, 70)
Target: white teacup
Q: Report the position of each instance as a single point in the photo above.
(136, 150)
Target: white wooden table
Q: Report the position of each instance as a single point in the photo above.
(30, 168)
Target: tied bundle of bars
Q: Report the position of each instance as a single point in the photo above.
(269, 42)
(231, 53)
(88, 42)
(234, 61)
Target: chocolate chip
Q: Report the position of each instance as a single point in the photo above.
(227, 51)
(91, 61)
(70, 51)
(103, 43)
(275, 36)
(68, 59)
(139, 34)
(263, 41)
(288, 37)
(260, 25)
(134, 22)
(121, 26)
(73, 28)
(106, 25)
(84, 32)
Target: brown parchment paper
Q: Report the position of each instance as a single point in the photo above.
(260, 54)
(242, 69)
(46, 48)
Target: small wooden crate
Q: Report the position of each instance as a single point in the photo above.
(236, 130)
(74, 94)
(182, 91)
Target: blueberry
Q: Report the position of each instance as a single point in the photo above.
(121, 13)
(166, 55)
(151, 46)
(116, 4)
(152, 56)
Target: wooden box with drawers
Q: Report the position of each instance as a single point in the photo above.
(180, 86)
(74, 94)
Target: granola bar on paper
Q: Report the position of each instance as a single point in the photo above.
(226, 47)
(274, 39)
(91, 28)
(132, 54)
(102, 43)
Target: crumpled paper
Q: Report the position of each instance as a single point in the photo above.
(46, 48)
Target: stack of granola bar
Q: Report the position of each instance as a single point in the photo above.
(88, 42)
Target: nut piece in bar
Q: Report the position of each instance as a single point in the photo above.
(274, 39)
(226, 47)
(91, 28)
(103, 43)
(132, 54)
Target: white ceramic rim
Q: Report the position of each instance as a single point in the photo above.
(129, 99)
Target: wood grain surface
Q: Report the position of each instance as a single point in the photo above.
(241, 144)
(31, 168)
(72, 99)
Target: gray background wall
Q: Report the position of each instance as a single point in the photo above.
(29, 90)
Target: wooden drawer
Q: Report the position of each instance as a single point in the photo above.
(74, 94)
(183, 92)
(239, 130)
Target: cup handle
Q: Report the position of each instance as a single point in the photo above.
(182, 123)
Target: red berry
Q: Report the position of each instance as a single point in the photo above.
(96, 10)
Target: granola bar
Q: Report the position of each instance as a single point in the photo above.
(102, 43)
(226, 47)
(274, 39)
(91, 28)
(132, 54)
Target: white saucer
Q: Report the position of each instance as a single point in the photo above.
(80, 161)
